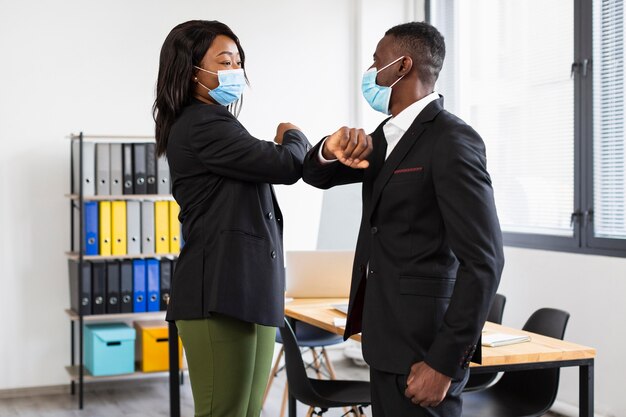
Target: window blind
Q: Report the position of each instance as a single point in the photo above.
(608, 119)
(510, 80)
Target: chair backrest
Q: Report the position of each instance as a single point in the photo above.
(538, 387)
(549, 322)
(497, 309)
(299, 385)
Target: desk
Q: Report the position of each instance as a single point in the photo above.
(540, 353)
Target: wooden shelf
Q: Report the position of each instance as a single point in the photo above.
(152, 315)
(74, 256)
(73, 373)
(150, 197)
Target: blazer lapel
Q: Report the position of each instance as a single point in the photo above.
(404, 145)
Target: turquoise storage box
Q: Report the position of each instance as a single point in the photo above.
(109, 349)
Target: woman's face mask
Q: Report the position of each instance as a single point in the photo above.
(230, 88)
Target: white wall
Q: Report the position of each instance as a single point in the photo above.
(591, 289)
(91, 66)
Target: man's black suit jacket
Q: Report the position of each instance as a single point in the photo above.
(429, 253)
(232, 260)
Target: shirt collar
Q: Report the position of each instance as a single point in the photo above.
(405, 118)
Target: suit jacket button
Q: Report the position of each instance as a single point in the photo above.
(273, 254)
(270, 215)
(374, 230)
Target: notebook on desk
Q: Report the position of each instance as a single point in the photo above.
(503, 339)
(318, 274)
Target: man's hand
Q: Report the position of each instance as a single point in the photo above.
(281, 129)
(425, 386)
(349, 146)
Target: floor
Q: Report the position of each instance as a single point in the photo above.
(149, 397)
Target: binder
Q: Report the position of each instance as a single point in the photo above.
(174, 228)
(139, 286)
(89, 174)
(126, 286)
(139, 168)
(98, 290)
(166, 282)
(113, 299)
(152, 283)
(163, 176)
(161, 226)
(105, 228)
(80, 303)
(151, 168)
(147, 227)
(116, 170)
(118, 227)
(133, 227)
(90, 226)
(127, 168)
(103, 175)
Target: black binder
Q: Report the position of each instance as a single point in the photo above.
(113, 288)
(80, 303)
(151, 168)
(126, 286)
(127, 167)
(166, 280)
(139, 161)
(98, 287)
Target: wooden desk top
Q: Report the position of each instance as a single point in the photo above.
(319, 312)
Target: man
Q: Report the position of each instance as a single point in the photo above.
(429, 254)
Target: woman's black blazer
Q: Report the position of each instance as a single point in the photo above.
(232, 259)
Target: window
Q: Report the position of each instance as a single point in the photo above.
(547, 96)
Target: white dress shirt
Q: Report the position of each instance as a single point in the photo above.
(397, 126)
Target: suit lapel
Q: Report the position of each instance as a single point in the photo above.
(403, 146)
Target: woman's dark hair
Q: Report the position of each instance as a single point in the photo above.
(184, 47)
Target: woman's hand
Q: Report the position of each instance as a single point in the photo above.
(281, 129)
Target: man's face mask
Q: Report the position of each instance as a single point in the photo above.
(377, 96)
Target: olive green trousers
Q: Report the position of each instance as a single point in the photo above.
(229, 364)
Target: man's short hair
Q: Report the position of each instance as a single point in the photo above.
(424, 44)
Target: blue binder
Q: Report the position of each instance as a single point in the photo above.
(139, 286)
(153, 283)
(91, 228)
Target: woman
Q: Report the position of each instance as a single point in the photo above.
(228, 288)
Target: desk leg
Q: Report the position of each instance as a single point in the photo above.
(174, 376)
(292, 410)
(586, 390)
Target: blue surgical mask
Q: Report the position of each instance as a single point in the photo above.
(230, 88)
(378, 96)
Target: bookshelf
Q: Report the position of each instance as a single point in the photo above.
(82, 166)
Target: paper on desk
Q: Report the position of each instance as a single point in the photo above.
(339, 322)
(503, 339)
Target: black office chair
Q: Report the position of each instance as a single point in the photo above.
(317, 393)
(478, 382)
(522, 393)
(312, 338)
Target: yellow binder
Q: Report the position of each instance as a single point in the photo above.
(118, 227)
(161, 226)
(174, 228)
(105, 228)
